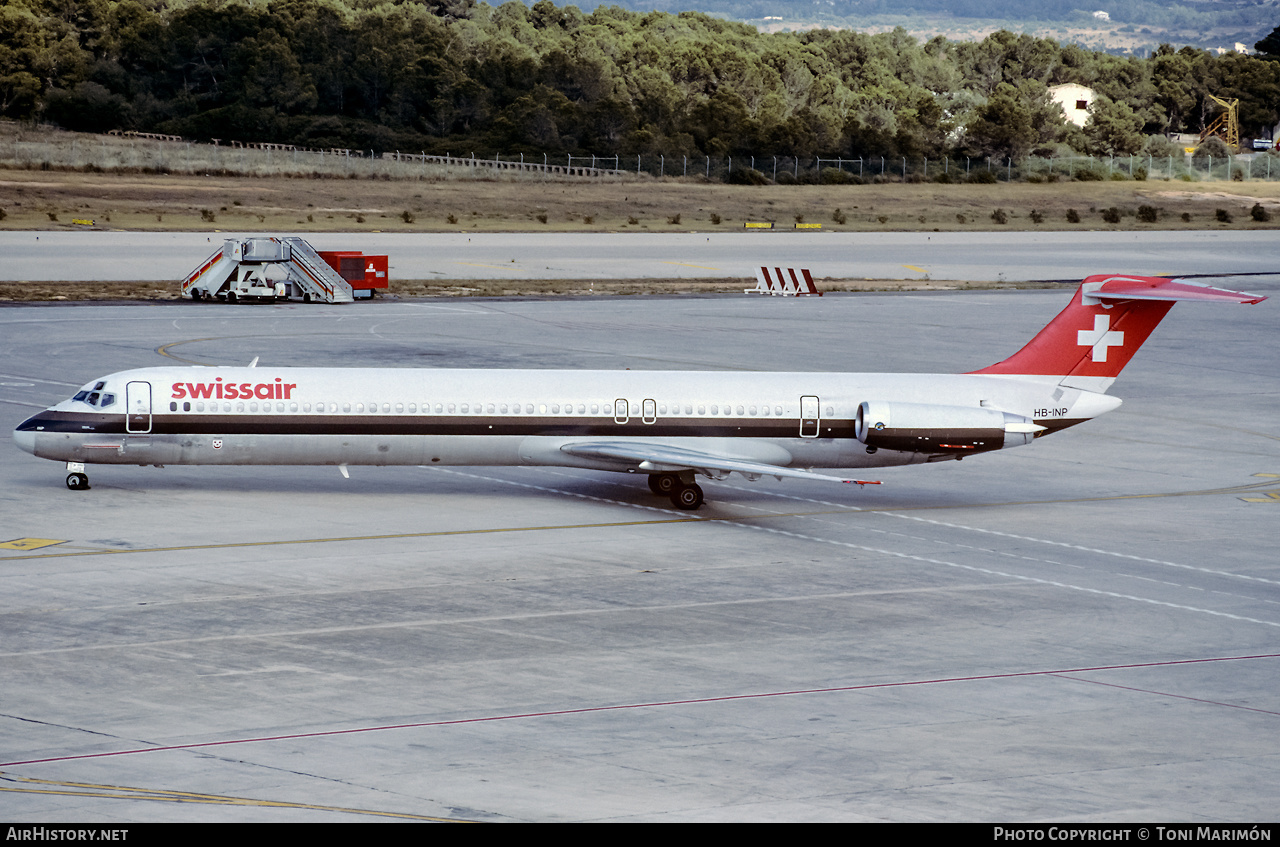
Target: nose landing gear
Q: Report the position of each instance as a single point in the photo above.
(77, 481)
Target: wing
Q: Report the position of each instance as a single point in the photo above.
(660, 458)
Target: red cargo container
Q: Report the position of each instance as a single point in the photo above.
(363, 273)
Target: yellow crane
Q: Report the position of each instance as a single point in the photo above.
(1227, 125)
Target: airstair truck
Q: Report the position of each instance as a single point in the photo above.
(283, 268)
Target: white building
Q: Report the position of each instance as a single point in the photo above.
(1075, 100)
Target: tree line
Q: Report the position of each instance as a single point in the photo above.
(458, 76)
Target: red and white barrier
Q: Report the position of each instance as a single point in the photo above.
(784, 282)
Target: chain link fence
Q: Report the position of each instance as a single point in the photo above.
(55, 149)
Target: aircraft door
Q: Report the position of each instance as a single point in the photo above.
(137, 399)
(810, 420)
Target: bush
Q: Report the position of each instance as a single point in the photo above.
(1186, 217)
(835, 176)
(1037, 216)
(1000, 217)
(1148, 214)
(1073, 217)
(1161, 147)
(1223, 216)
(453, 219)
(1212, 146)
(407, 216)
(836, 216)
(1258, 213)
(983, 178)
(1111, 216)
(1089, 173)
(674, 220)
(207, 216)
(1140, 174)
(590, 219)
(747, 176)
(541, 218)
(715, 219)
(799, 219)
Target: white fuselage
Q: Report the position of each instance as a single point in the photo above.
(312, 416)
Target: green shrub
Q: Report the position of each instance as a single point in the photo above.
(747, 176)
(1073, 217)
(1259, 214)
(983, 178)
(1000, 217)
(839, 217)
(1111, 216)
(1148, 214)
(1037, 216)
(1223, 216)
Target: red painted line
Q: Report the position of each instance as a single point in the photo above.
(691, 702)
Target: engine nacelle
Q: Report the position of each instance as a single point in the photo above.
(927, 428)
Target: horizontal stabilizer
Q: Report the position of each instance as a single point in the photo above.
(1100, 288)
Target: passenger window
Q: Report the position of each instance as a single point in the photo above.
(173, 405)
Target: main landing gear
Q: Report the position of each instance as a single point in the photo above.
(684, 495)
(77, 481)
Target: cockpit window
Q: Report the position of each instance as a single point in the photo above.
(96, 396)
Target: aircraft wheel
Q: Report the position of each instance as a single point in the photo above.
(663, 483)
(687, 497)
(77, 481)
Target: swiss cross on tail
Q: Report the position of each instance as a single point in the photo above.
(1106, 322)
(1100, 337)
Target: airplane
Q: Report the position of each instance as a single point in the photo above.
(671, 426)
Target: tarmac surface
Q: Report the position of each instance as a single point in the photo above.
(1083, 629)
(971, 256)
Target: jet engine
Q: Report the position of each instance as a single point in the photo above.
(928, 428)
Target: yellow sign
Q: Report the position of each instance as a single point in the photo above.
(759, 225)
(808, 226)
(82, 222)
(30, 543)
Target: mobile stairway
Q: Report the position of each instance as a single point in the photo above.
(267, 268)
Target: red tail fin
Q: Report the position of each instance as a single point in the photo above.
(1106, 322)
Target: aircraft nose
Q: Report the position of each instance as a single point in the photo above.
(25, 439)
